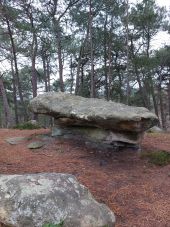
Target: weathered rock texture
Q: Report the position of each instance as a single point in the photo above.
(15, 140)
(37, 199)
(106, 121)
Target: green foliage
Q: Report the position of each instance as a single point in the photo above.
(54, 225)
(163, 56)
(68, 31)
(27, 125)
(160, 158)
(147, 14)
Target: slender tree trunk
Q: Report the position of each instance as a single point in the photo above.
(34, 49)
(48, 73)
(110, 61)
(109, 73)
(60, 62)
(45, 72)
(169, 98)
(120, 87)
(7, 113)
(82, 80)
(154, 97)
(105, 59)
(150, 76)
(16, 69)
(127, 53)
(110, 64)
(77, 89)
(141, 90)
(72, 75)
(46, 69)
(58, 34)
(78, 76)
(161, 104)
(33, 67)
(143, 94)
(92, 86)
(14, 93)
(59, 54)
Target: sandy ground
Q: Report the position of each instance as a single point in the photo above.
(137, 191)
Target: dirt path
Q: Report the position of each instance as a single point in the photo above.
(137, 192)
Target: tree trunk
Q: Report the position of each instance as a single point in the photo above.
(33, 68)
(48, 73)
(77, 89)
(14, 94)
(105, 59)
(109, 73)
(92, 83)
(127, 54)
(110, 61)
(153, 97)
(72, 76)
(169, 99)
(16, 69)
(45, 72)
(7, 113)
(141, 90)
(78, 76)
(59, 53)
(161, 104)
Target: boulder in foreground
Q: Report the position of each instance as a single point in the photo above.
(33, 200)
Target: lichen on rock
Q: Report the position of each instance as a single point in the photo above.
(32, 200)
(116, 122)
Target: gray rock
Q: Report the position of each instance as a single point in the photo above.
(33, 122)
(155, 129)
(93, 112)
(15, 140)
(100, 119)
(35, 199)
(35, 145)
(98, 135)
(56, 131)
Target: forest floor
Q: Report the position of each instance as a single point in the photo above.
(137, 191)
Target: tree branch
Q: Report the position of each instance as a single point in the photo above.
(69, 6)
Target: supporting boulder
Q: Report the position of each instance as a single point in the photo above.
(37, 200)
(96, 119)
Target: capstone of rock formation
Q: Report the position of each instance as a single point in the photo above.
(95, 119)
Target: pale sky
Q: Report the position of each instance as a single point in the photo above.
(164, 3)
(160, 2)
(162, 38)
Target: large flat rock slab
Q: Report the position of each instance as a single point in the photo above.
(76, 110)
(33, 200)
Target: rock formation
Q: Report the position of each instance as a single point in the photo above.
(33, 200)
(95, 119)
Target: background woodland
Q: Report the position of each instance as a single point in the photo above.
(89, 48)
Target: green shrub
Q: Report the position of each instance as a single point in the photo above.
(26, 125)
(54, 225)
(160, 158)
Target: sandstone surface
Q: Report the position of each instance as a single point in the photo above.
(95, 119)
(33, 200)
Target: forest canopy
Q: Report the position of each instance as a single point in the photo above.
(91, 48)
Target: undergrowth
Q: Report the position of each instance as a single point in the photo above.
(54, 225)
(26, 125)
(160, 158)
